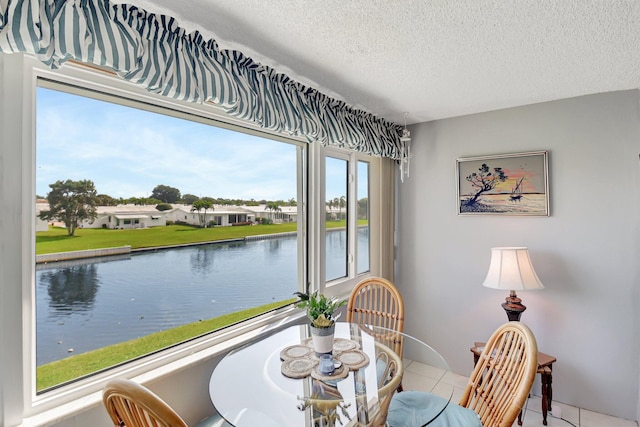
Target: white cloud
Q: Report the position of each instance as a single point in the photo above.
(127, 152)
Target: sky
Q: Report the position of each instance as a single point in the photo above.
(530, 167)
(127, 152)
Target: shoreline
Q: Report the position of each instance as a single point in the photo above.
(125, 250)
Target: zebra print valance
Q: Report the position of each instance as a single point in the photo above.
(153, 51)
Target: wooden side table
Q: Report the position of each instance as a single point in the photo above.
(545, 369)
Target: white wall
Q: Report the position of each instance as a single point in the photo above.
(585, 252)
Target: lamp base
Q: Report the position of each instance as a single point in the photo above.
(513, 306)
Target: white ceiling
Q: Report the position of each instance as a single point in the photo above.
(430, 58)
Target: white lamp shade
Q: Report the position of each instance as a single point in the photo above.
(511, 269)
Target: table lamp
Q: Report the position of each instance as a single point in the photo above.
(511, 269)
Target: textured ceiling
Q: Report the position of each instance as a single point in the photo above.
(430, 58)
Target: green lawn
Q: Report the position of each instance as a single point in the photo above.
(57, 240)
(84, 364)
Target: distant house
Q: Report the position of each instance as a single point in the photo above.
(137, 216)
(41, 225)
(127, 216)
(285, 214)
(220, 215)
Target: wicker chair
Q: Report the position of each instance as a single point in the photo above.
(375, 302)
(497, 389)
(130, 404)
(328, 405)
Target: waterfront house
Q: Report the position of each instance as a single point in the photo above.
(220, 215)
(126, 216)
(282, 214)
(559, 76)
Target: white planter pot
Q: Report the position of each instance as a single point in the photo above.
(323, 339)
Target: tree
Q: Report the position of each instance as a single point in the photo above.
(202, 205)
(71, 202)
(363, 208)
(166, 194)
(484, 181)
(330, 206)
(273, 207)
(188, 199)
(142, 201)
(342, 203)
(106, 200)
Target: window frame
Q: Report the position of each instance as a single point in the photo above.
(17, 359)
(343, 285)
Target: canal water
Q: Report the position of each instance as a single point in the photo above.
(88, 304)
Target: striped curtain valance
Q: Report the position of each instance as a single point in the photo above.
(154, 52)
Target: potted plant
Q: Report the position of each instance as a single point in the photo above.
(321, 311)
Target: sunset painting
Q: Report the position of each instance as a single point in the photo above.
(508, 184)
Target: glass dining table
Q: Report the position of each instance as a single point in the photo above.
(275, 381)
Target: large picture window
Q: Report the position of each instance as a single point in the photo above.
(187, 207)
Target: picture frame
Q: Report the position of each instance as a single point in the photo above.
(504, 184)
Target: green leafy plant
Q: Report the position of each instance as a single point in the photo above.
(320, 309)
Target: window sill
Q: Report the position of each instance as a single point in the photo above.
(57, 406)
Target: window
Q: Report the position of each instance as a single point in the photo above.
(363, 217)
(89, 308)
(337, 247)
(347, 215)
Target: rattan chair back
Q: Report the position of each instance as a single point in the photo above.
(388, 381)
(376, 302)
(501, 380)
(130, 404)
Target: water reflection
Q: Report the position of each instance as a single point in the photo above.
(202, 261)
(72, 289)
(336, 254)
(274, 245)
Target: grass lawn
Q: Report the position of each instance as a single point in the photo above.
(57, 240)
(84, 364)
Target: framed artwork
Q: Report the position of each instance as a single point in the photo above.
(506, 184)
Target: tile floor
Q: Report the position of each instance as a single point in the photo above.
(421, 377)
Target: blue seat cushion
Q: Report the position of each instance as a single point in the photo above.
(415, 408)
(213, 421)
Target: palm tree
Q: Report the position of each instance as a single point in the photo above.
(330, 206)
(342, 204)
(202, 204)
(273, 207)
(336, 204)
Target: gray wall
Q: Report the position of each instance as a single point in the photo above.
(585, 252)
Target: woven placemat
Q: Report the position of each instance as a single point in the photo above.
(339, 344)
(295, 352)
(298, 368)
(300, 361)
(353, 359)
(341, 372)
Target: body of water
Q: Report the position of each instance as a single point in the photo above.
(532, 204)
(88, 304)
